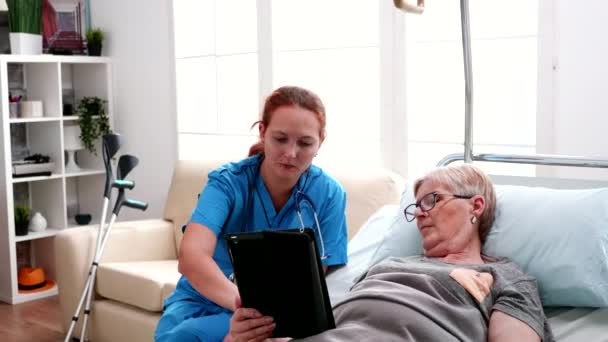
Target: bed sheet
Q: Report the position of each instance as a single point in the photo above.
(578, 324)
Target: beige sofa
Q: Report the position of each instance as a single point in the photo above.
(138, 269)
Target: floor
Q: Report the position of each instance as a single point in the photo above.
(38, 320)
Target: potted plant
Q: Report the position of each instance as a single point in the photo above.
(22, 220)
(94, 41)
(93, 121)
(25, 26)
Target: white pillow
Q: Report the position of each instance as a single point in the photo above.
(558, 236)
(401, 238)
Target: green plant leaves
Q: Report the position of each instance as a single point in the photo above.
(93, 121)
(25, 16)
(22, 214)
(94, 36)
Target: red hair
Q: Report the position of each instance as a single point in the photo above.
(290, 96)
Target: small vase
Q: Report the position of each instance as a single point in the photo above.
(83, 219)
(37, 223)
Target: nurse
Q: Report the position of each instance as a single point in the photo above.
(257, 193)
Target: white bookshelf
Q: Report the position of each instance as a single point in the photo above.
(45, 78)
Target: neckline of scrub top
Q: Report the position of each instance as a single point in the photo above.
(271, 214)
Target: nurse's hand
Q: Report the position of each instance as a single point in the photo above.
(249, 325)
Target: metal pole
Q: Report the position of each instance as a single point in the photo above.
(468, 78)
(534, 159)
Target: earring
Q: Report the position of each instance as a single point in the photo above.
(473, 219)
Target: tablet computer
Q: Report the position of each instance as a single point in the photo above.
(279, 273)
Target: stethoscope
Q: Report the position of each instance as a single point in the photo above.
(299, 198)
(298, 203)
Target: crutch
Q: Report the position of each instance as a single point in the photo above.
(110, 145)
(126, 163)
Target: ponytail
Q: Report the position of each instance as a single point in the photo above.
(256, 148)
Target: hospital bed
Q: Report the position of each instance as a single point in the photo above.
(555, 229)
(574, 204)
(386, 234)
(571, 214)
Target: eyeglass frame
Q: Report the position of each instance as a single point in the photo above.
(417, 204)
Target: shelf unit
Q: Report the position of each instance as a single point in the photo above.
(50, 79)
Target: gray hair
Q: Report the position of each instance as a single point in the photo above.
(468, 180)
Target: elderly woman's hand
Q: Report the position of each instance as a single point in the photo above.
(249, 325)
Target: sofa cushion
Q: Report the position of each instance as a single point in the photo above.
(114, 321)
(144, 284)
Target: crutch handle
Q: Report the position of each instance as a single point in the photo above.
(111, 144)
(123, 184)
(136, 204)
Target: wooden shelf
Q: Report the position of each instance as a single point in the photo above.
(85, 172)
(36, 178)
(52, 59)
(26, 297)
(37, 235)
(52, 80)
(39, 119)
(75, 117)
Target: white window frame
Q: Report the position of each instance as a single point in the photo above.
(393, 116)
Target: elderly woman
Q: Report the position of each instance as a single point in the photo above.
(453, 292)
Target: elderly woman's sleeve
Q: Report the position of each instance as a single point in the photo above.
(521, 300)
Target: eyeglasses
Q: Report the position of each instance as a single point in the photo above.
(426, 203)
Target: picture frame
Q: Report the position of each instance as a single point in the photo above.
(69, 38)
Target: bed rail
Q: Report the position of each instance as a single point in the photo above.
(537, 159)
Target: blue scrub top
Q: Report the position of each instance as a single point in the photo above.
(235, 198)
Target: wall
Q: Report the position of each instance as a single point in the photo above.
(139, 38)
(579, 82)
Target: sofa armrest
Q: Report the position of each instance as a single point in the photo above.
(129, 241)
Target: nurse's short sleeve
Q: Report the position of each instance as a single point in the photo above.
(215, 202)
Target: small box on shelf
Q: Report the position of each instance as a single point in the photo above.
(24, 169)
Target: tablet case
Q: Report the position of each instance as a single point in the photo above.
(279, 273)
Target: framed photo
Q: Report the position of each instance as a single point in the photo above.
(69, 38)
(68, 16)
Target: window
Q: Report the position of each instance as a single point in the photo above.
(338, 62)
(223, 73)
(391, 94)
(504, 58)
(216, 77)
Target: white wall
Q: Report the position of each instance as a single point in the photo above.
(580, 80)
(139, 38)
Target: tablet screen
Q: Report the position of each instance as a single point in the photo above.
(279, 273)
